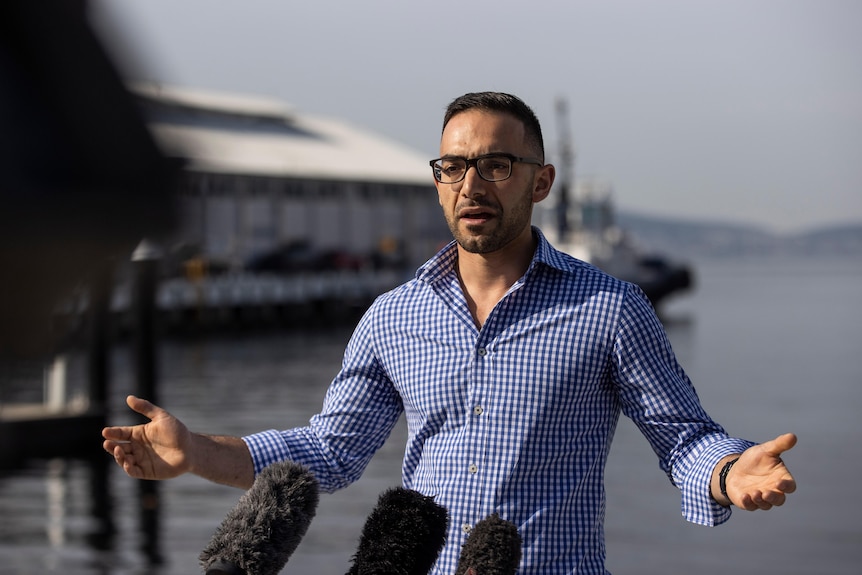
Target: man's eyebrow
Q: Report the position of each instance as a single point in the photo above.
(485, 155)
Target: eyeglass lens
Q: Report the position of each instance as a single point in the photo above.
(490, 168)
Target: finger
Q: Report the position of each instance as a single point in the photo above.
(753, 502)
(117, 433)
(787, 485)
(118, 454)
(115, 436)
(127, 464)
(780, 444)
(745, 502)
(761, 501)
(774, 498)
(149, 410)
(126, 460)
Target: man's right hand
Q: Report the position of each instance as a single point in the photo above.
(158, 449)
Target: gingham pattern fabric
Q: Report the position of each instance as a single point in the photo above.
(516, 418)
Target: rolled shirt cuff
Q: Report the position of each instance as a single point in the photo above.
(698, 505)
(266, 447)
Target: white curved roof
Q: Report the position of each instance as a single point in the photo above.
(259, 136)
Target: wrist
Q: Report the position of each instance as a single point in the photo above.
(223, 459)
(721, 473)
(722, 477)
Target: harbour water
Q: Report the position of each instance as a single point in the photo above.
(772, 346)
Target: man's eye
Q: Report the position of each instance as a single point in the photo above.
(494, 167)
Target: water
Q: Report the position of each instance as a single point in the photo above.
(772, 346)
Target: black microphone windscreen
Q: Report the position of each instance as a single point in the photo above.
(403, 535)
(260, 533)
(492, 548)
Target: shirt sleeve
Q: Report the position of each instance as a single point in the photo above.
(266, 447)
(660, 399)
(359, 411)
(698, 506)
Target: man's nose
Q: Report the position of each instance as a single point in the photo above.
(472, 184)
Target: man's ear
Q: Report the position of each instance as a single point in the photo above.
(437, 189)
(543, 183)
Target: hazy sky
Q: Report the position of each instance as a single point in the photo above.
(716, 109)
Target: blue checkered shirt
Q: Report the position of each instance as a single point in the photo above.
(517, 417)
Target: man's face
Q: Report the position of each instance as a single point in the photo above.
(486, 216)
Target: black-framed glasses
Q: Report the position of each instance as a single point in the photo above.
(490, 167)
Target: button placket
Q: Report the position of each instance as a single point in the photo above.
(477, 424)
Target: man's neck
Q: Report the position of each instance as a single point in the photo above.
(485, 278)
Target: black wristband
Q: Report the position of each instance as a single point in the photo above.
(722, 476)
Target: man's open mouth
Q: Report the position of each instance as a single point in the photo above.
(475, 215)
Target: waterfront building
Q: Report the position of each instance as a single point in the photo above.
(266, 186)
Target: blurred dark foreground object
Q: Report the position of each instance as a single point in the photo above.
(258, 536)
(403, 535)
(492, 548)
(81, 178)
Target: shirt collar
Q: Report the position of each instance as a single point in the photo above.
(443, 262)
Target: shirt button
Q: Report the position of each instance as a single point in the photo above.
(478, 410)
(466, 528)
(474, 468)
(482, 351)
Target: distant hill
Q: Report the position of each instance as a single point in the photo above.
(678, 238)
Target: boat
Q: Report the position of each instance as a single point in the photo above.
(591, 234)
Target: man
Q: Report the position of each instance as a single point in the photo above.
(512, 362)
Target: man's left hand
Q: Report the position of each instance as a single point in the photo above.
(759, 479)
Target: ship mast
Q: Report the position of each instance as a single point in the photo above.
(566, 172)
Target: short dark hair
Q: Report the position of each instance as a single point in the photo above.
(505, 103)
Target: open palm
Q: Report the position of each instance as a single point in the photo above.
(153, 450)
(760, 480)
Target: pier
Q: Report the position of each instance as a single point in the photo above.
(245, 299)
(28, 430)
(62, 424)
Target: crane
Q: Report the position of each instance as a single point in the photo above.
(566, 171)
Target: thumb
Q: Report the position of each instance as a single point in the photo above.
(149, 410)
(780, 444)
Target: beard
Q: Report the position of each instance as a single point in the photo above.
(495, 233)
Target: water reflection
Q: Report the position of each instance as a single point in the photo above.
(101, 537)
(60, 515)
(149, 507)
(56, 485)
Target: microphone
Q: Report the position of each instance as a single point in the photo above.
(492, 548)
(402, 536)
(262, 531)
